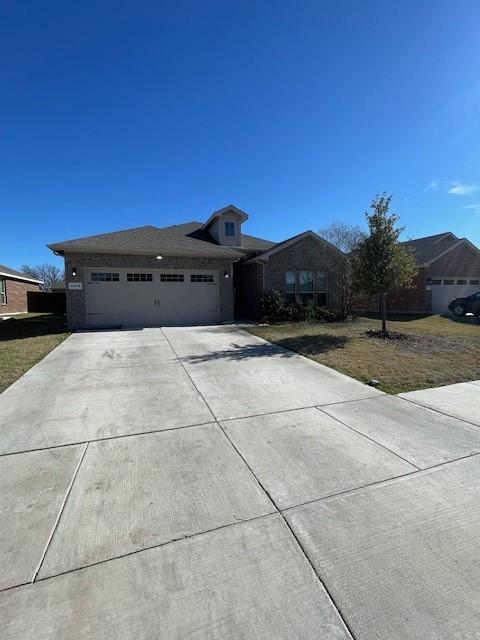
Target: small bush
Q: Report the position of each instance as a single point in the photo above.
(327, 315)
(276, 309)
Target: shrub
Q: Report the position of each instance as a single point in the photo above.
(274, 307)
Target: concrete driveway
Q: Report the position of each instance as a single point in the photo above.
(201, 483)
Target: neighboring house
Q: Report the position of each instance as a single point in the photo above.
(193, 273)
(448, 267)
(14, 287)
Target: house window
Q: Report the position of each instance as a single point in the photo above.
(230, 229)
(461, 282)
(290, 286)
(436, 282)
(97, 276)
(201, 277)
(3, 291)
(171, 277)
(321, 288)
(449, 282)
(306, 286)
(139, 277)
(475, 282)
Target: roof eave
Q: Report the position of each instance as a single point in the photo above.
(265, 256)
(13, 276)
(140, 252)
(454, 246)
(231, 207)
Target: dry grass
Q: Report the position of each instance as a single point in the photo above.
(25, 340)
(438, 351)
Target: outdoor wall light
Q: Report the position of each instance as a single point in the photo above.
(74, 271)
(226, 274)
(159, 257)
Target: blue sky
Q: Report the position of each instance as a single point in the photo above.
(120, 114)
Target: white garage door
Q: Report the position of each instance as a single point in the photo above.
(444, 289)
(141, 297)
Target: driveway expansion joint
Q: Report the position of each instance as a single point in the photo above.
(442, 413)
(267, 493)
(379, 444)
(123, 435)
(60, 512)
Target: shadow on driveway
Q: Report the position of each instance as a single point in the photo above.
(283, 348)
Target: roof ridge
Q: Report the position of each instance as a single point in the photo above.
(435, 235)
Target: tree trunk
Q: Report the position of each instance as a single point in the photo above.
(383, 303)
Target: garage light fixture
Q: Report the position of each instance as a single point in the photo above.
(226, 274)
(74, 271)
(159, 257)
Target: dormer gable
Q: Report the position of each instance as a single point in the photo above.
(225, 225)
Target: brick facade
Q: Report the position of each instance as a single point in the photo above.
(76, 307)
(307, 254)
(16, 291)
(414, 299)
(463, 261)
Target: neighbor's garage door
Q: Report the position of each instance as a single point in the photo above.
(132, 298)
(446, 288)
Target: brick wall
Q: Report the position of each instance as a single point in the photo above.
(76, 308)
(462, 261)
(17, 296)
(305, 255)
(414, 299)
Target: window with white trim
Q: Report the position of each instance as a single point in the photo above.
(436, 282)
(475, 282)
(201, 277)
(449, 282)
(229, 229)
(139, 277)
(3, 291)
(172, 277)
(101, 276)
(461, 282)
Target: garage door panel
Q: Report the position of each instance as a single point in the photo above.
(156, 297)
(445, 288)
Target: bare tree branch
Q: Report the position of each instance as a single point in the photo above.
(48, 273)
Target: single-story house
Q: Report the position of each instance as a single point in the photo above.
(14, 287)
(192, 273)
(448, 267)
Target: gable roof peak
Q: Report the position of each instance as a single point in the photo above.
(230, 207)
(265, 255)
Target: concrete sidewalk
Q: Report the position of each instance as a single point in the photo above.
(202, 483)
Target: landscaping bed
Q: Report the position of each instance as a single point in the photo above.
(25, 340)
(436, 350)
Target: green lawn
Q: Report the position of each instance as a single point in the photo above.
(439, 350)
(25, 340)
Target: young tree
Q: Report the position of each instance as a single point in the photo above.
(346, 238)
(381, 263)
(48, 273)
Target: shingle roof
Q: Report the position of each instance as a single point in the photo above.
(6, 271)
(188, 238)
(251, 243)
(428, 248)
